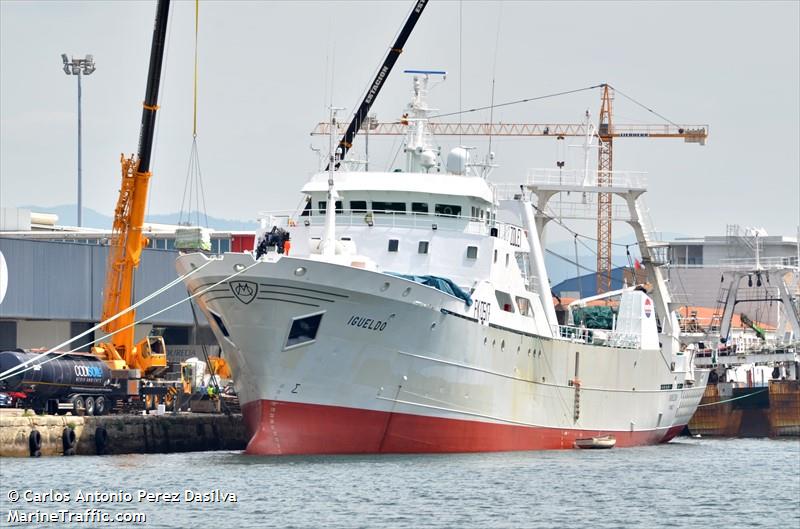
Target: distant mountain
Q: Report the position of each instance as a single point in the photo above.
(68, 216)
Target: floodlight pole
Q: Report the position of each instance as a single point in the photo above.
(79, 68)
(80, 150)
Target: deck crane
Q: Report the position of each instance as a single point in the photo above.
(606, 132)
(383, 73)
(125, 248)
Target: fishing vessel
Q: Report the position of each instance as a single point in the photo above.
(754, 383)
(412, 313)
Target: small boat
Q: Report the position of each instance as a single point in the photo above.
(606, 441)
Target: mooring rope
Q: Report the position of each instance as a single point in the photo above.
(109, 320)
(15, 370)
(734, 398)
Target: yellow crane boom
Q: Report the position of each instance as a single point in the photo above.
(127, 241)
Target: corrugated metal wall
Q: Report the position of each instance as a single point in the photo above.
(64, 281)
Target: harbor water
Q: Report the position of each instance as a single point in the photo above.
(688, 483)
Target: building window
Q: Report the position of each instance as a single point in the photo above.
(79, 327)
(423, 247)
(472, 252)
(389, 207)
(419, 207)
(8, 335)
(358, 206)
(303, 330)
(394, 244)
(448, 210)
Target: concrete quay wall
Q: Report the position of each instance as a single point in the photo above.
(120, 434)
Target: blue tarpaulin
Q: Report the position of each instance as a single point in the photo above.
(440, 283)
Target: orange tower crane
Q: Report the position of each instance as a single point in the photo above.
(607, 130)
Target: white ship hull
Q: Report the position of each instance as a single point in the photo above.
(400, 367)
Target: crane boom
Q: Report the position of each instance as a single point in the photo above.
(689, 133)
(127, 241)
(606, 132)
(384, 71)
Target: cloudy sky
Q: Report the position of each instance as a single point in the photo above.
(269, 69)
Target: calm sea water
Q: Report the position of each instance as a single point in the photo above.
(692, 483)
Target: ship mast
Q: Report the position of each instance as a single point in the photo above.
(328, 246)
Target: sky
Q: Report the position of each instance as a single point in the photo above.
(269, 70)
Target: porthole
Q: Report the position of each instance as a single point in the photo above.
(494, 342)
(385, 286)
(485, 339)
(406, 292)
(503, 345)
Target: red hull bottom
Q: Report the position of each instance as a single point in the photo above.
(278, 427)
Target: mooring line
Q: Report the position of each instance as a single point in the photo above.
(734, 398)
(15, 370)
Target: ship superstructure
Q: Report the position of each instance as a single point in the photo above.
(412, 313)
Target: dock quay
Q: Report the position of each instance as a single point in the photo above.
(25, 435)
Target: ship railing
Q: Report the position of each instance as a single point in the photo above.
(574, 210)
(764, 263)
(600, 337)
(577, 177)
(398, 219)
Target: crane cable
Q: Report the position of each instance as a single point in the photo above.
(15, 370)
(193, 187)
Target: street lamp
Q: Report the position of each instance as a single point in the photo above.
(79, 68)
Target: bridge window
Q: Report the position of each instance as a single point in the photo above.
(306, 210)
(394, 244)
(389, 207)
(472, 252)
(419, 207)
(449, 210)
(323, 205)
(504, 300)
(423, 247)
(524, 306)
(358, 206)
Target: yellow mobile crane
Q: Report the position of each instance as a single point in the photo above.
(121, 353)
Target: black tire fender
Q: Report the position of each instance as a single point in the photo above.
(101, 440)
(35, 443)
(68, 441)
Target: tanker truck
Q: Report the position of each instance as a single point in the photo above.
(77, 382)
